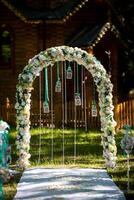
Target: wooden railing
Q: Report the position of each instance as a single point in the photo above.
(84, 118)
(125, 113)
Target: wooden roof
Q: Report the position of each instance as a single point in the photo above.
(30, 15)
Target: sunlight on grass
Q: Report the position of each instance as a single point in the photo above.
(88, 155)
(88, 148)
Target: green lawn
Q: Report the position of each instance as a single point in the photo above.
(88, 154)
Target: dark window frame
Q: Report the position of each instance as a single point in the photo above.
(10, 64)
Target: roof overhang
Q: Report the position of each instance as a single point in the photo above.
(90, 37)
(57, 16)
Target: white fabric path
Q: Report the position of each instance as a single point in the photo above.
(67, 184)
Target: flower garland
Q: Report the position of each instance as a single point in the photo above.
(104, 88)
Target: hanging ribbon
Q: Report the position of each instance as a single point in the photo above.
(46, 101)
(65, 88)
(77, 94)
(58, 81)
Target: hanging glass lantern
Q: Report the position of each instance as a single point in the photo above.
(77, 99)
(45, 107)
(69, 73)
(58, 86)
(94, 109)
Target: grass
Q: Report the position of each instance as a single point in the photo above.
(85, 155)
(88, 155)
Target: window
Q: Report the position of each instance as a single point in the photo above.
(5, 47)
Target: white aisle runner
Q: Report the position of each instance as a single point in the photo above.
(68, 184)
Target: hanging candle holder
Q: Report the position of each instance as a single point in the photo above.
(77, 99)
(94, 109)
(46, 107)
(58, 86)
(69, 72)
(58, 82)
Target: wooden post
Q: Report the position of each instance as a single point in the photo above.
(7, 108)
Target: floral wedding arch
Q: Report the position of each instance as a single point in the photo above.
(104, 88)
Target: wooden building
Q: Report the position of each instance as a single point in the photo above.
(28, 27)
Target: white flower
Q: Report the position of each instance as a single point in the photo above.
(54, 52)
(42, 57)
(3, 125)
(17, 105)
(71, 50)
(36, 70)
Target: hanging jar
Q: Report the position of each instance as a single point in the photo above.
(77, 99)
(69, 73)
(94, 109)
(58, 86)
(46, 107)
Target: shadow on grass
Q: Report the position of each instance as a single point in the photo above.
(87, 146)
(88, 151)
